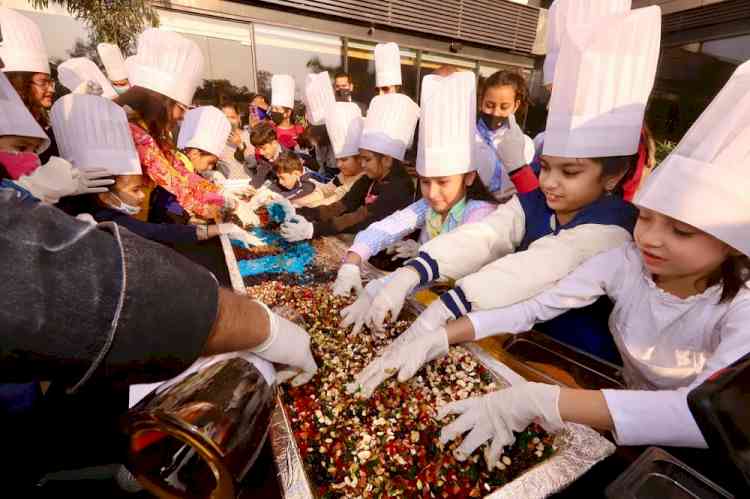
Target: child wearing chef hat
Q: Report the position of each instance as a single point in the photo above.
(27, 67)
(93, 133)
(115, 65)
(537, 238)
(388, 129)
(343, 124)
(21, 142)
(452, 193)
(282, 110)
(682, 304)
(387, 68)
(165, 74)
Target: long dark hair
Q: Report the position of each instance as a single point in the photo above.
(155, 110)
(477, 191)
(22, 81)
(733, 274)
(508, 78)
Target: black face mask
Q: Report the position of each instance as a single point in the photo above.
(343, 95)
(277, 117)
(493, 122)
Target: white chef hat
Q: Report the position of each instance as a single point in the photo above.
(704, 182)
(344, 126)
(572, 15)
(205, 128)
(167, 63)
(447, 125)
(282, 91)
(92, 133)
(389, 125)
(22, 47)
(387, 65)
(318, 97)
(602, 84)
(15, 118)
(80, 70)
(113, 61)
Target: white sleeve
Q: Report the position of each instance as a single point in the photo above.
(663, 417)
(471, 246)
(580, 289)
(522, 275)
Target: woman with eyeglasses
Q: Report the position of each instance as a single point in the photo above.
(27, 67)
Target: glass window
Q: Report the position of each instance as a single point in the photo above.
(296, 53)
(361, 58)
(227, 53)
(736, 50)
(431, 62)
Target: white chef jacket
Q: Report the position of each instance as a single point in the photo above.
(668, 345)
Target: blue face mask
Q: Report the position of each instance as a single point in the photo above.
(124, 207)
(262, 114)
(119, 90)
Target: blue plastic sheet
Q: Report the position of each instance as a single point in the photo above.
(294, 258)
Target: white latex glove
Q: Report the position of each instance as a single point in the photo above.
(239, 234)
(391, 298)
(357, 311)
(51, 181)
(231, 202)
(263, 196)
(405, 356)
(92, 181)
(434, 317)
(497, 415)
(297, 229)
(347, 279)
(408, 248)
(512, 147)
(289, 345)
(246, 213)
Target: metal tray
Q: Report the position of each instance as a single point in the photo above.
(579, 447)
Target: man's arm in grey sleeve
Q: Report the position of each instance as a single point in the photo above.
(80, 301)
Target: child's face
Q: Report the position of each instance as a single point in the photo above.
(500, 101)
(14, 143)
(202, 161)
(270, 151)
(130, 189)
(442, 193)
(375, 166)
(350, 166)
(288, 180)
(570, 184)
(42, 90)
(675, 250)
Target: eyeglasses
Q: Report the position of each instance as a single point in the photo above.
(48, 83)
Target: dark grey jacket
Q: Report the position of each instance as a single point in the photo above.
(80, 301)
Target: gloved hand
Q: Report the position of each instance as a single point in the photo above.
(57, 178)
(391, 298)
(288, 344)
(239, 234)
(246, 213)
(408, 248)
(231, 202)
(434, 317)
(357, 311)
(497, 415)
(347, 279)
(92, 181)
(297, 229)
(405, 356)
(511, 149)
